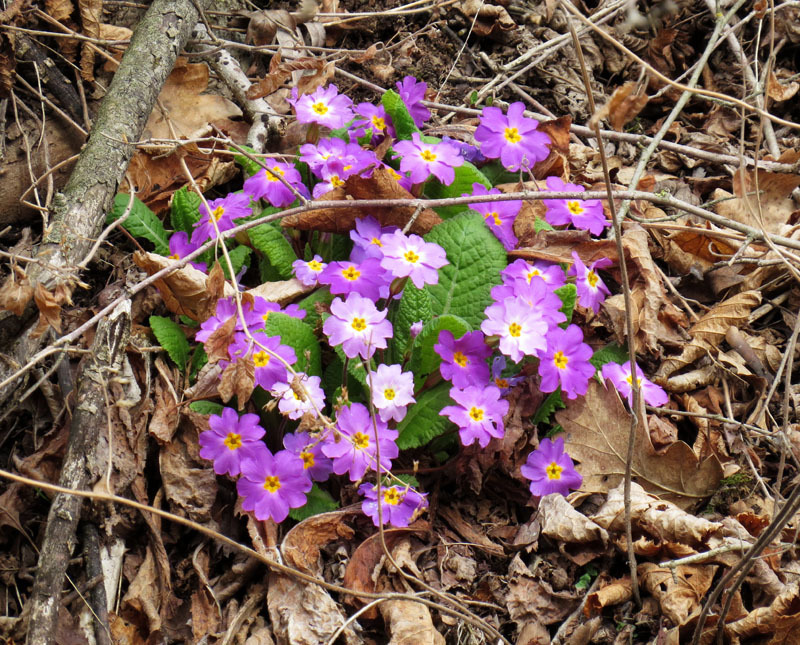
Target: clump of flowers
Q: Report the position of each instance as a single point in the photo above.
(417, 346)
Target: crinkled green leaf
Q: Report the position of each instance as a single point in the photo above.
(170, 336)
(309, 305)
(355, 367)
(317, 501)
(540, 224)
(206, 407)
(466, 175)
(401, 119)
(184, 212)
(569, 295)
(414, 306)
(300, 337)
(476, 258)
(424, 360)
(269, 240)
(611, 353)
(239, 257)
(423, 421)
(496, 173)
(142, 222)
(199, 359)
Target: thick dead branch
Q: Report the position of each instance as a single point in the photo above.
(108, 351)
(78, 212)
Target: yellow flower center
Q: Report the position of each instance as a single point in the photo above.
(476, 414)
(394, 173)
(553, 471)
(496, 218)
(411, 257)
(460, 359)
(272, 484)
(315, 266)
(379, 123)
(308, 460)
(174, 256)
(218, 212)
(515, 329)
(336, 182)
(359, 324)
(391, 496)
(261, 359)
(351, 273)
(560, 360)
(575, 207)
(376, 241)
(276, 170)
(265, 317)
(630, 380)
(233, 441)
(533, 274)
(428, 156)
(361, 441)
(592, 278)
(501, 383)
(512, 135)
(320, 108)
(389, 394)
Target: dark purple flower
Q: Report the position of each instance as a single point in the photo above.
(180, 247)
(413, 93)
(367, 238)
(221, 215)
(478, 415)
(499, 216)
(309, 449)
(566, 361)
(512, 138)
(463, 360)
(400, 504)
(550, 469)
(355, 450)
(265, 352)
(230, 440)
(226, 308)
(374, 118)
(267, 185)
(272, 484)
(520, 270)
(367, 279)
(620, 376)
(425, 159)
(586, 215)
(504, 383)
(592, 291)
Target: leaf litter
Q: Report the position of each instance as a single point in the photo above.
(704, 485)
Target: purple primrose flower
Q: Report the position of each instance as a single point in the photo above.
(367, 279)
(392, 391)
(499, 216)
(550, 469)
(367, 238)
(512, 138)
(268, 185)
(230, 440)
(592, 291)
(411, 256)
(265, 352)
(324, 106)
(620, 376)
(309, 449)
(566, 361)
(413, 93)
(272, 484)
(222, 213)
(308, 272)
(586, 215)
(425, 159)
(357, 325)
(478, 415)
(303, 395)
(520, 328)
(399, 507)
(464, 359)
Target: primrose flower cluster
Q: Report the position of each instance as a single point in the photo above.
(525, 321)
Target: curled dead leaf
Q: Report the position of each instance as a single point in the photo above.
(679, 592)
(612, 594)
(16, 292)
(779, 92)
(597, 428)
(302, 544)
(49, 310)
(622, 107)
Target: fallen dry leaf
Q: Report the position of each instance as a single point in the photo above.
(409, 623)
(621, 108)
(16, 292)
(187, 107)
(186, 290)
(679, 591)
(779, 92)
(381, 185)
(614, 593)
(709, 331)
(238, 379)
(567, 527)
(532, 599)
(282, 291)
(301, 546)
(597, 428)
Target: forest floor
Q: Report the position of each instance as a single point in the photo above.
(699, 121)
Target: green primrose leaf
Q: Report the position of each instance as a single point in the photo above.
(199, 359)
(317, 501)
(401, 119)
(540, 224)
(269, 240)
(496, 173)
(611, 353)
(423, 421)
(239, 257)
(170, 336)
(552, 403)
(309, 305)
(355, 367)
(569, 295)
(476, 258)
(424, 360)
(466, 175)
(249, 166)
(142, 222)
(206, 407)
(414, 306)
(300, 337)
(184, 212)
